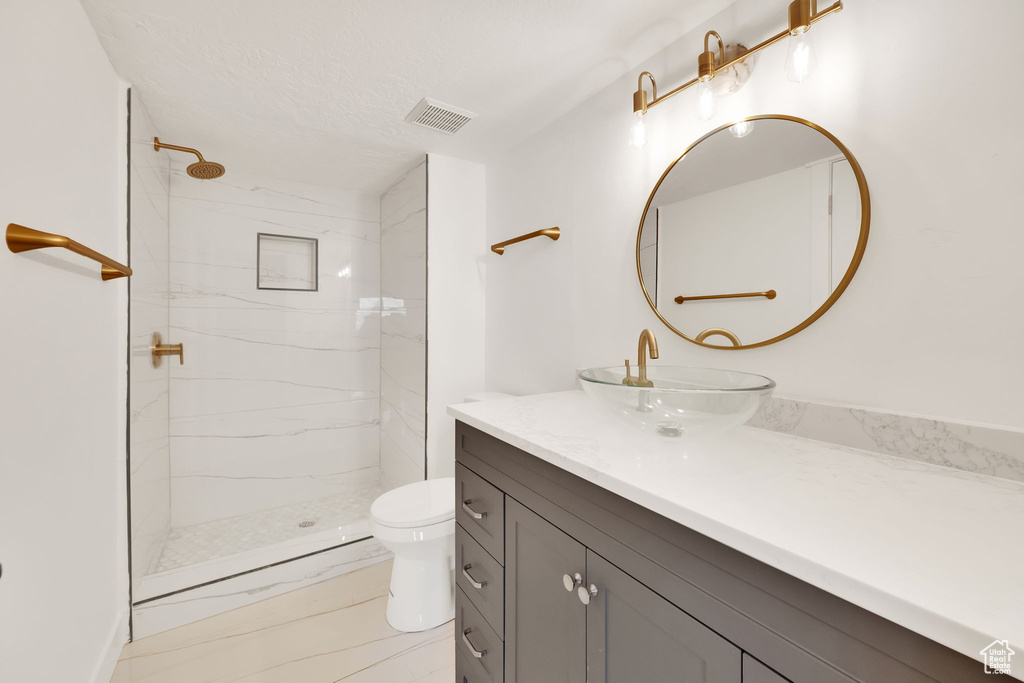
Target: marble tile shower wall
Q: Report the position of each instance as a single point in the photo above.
(403, 369)
(993, 451)
(278, 401)
(149, 399)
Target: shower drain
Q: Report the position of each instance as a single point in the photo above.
(306, 524)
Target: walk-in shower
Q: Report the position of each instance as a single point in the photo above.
(300, 397)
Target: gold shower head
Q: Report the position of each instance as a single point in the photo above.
(202, 169)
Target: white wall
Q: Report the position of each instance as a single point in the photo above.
(457, 248)
(150, 392)
(931, 323)
(403, 328)
(278, 399)
(64, 587)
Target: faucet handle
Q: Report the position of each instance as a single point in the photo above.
(628, 381)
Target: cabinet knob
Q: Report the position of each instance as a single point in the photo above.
(570, 582)
(587, 593)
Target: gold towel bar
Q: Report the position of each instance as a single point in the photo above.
(553, 233)
(770, 294)
(20, 238)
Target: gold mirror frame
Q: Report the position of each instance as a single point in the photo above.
(858, 254)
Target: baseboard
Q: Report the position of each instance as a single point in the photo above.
(112, 650)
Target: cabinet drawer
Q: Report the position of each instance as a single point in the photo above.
(473, 636)
(463, 674)
(481, 578)
(480, 509)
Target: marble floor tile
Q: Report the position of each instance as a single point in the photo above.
(328, 633)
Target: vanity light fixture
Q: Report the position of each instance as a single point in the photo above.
(800, 62)
(741, 129)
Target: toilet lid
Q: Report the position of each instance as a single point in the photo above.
(418, 504)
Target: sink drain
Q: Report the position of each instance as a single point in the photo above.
(306, 524)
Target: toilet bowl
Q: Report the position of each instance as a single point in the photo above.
(417, 523)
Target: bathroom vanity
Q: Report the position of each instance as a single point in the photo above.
(588, 551)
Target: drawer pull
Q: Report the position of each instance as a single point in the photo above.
(570, 582)
(475, 652)
(473, 582)
(471, 512)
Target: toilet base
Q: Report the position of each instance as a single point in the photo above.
(422, 593)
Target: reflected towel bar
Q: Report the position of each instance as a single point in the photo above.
(553, 233)
(20, 238)
(770, 294)
(711, 331)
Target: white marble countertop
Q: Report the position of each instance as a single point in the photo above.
(933, 549)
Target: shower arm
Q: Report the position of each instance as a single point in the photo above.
(157, 145)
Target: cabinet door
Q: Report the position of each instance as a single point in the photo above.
(545, 624)
(756, 672)
(633, 634)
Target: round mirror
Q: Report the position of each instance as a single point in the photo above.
(753, 233)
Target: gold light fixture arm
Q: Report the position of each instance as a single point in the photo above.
(770, 294)
(640, 96)
(157, 145)
(553, 233)
(799, 11)
(20, 238)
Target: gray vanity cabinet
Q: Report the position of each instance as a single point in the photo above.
(625, 632)
(667, 605)
(545, 622)
(634, 634)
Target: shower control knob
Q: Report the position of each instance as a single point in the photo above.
(586, 594)
(570, 582)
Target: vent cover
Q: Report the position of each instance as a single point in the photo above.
(439, 116)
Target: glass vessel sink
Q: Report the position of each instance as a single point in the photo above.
(683, 401)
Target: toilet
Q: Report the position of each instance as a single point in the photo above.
(417, 523)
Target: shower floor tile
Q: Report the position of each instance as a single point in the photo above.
(232, 535)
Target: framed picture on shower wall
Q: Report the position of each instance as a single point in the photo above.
(285, 262)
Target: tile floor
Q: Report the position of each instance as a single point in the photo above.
(333, 631)
(222, 537)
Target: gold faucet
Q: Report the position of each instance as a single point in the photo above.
(646, 338)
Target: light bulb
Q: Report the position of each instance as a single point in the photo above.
(707, 103)
(638, 132)
(741, 129)
(800, 57)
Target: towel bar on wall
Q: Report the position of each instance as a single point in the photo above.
(20, 238)
(553, 233)
(770, 294)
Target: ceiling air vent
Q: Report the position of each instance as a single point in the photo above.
(439, 116)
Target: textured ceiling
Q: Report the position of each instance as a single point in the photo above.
(317, 90)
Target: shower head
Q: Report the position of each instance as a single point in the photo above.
(205, 170)
(202, 169)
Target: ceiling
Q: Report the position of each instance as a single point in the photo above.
(721, 161)
(318, 90)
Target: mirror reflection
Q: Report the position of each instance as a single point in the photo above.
(748, 236)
